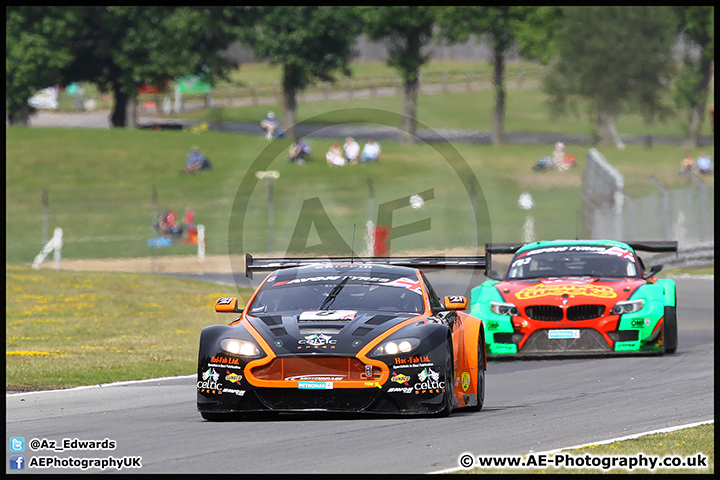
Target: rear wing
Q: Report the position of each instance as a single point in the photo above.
(460, 262)
(654, 246)
(641, 246)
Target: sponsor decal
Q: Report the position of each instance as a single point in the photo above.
(428, 373)
(563, 333)
(400, 378)
(315, 385)
(316, 378)
(225, 361)
(640, 322)
(542, 290)
(331, 278)
(465, 381)
(410, 284)
(400, 390)
(233, 377)
(317, 340)
(409, 360)
(311, 315)
(232, 390)
(619, 252)
(210, 381)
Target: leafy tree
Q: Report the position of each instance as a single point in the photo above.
(122, 47)
(504, 27)
(38, 42)
(615, 60)
(309, 42)
(407, 30)
(692, 86)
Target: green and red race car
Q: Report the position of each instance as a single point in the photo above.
(576, 297)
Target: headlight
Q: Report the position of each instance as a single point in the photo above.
(629, 306)
(504, 309)
(395, 347)
(239, 347)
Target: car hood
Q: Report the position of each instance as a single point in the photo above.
(330, 332)
(568, 290)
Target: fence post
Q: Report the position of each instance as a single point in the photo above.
(253, 94)
(55, 244)
(201, 242)
(468, 81)
(349, 86)
(444, 82)
(276, 91)
(702, 200)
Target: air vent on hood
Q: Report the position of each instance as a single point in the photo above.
(379, 319)
(327, 330)
(271, 320)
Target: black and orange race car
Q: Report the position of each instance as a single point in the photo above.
(366, 335)
(576, 297)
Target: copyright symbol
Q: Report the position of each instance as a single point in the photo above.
(34, 444)
(466, 460)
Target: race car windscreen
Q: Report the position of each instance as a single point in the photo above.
(339, 292)
(573, 260)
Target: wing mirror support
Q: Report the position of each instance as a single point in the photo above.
(654, 270)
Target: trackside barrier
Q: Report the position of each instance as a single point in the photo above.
(55, 246)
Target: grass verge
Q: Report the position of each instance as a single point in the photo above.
(686, 443)
(65, 329)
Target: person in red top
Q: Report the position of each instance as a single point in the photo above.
(189, 226)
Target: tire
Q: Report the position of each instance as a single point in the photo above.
(480, 392)
(449, 380)
(670, 335)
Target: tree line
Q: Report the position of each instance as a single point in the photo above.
(602, 61)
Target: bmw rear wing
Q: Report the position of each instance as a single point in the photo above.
(654, 246)
(253, 264)
(642, 246)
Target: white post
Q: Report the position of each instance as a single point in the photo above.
(526, 203)
(55, 244)
(57, 254)
(201, 242)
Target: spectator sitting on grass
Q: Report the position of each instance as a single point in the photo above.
(299, 152)
(334, 156)
(687, 165)
(352, 150)
(704, 163)
(196, 161)
(270, 125)
(371, 151)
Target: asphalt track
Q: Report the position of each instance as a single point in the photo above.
(535, 406)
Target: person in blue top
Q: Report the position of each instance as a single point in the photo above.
(196, 161)
(270, 125)
(299, 152)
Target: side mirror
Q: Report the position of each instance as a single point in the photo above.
(455, 302)
(227, 305)
(654, 270)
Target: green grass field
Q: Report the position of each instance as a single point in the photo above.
(100, 185)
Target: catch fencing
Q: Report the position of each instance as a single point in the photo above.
(685, 214)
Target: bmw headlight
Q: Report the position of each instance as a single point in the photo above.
(628, 306)
(504, 309)
(396, 347)
(239, 347)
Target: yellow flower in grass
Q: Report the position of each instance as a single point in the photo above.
(34, 353)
